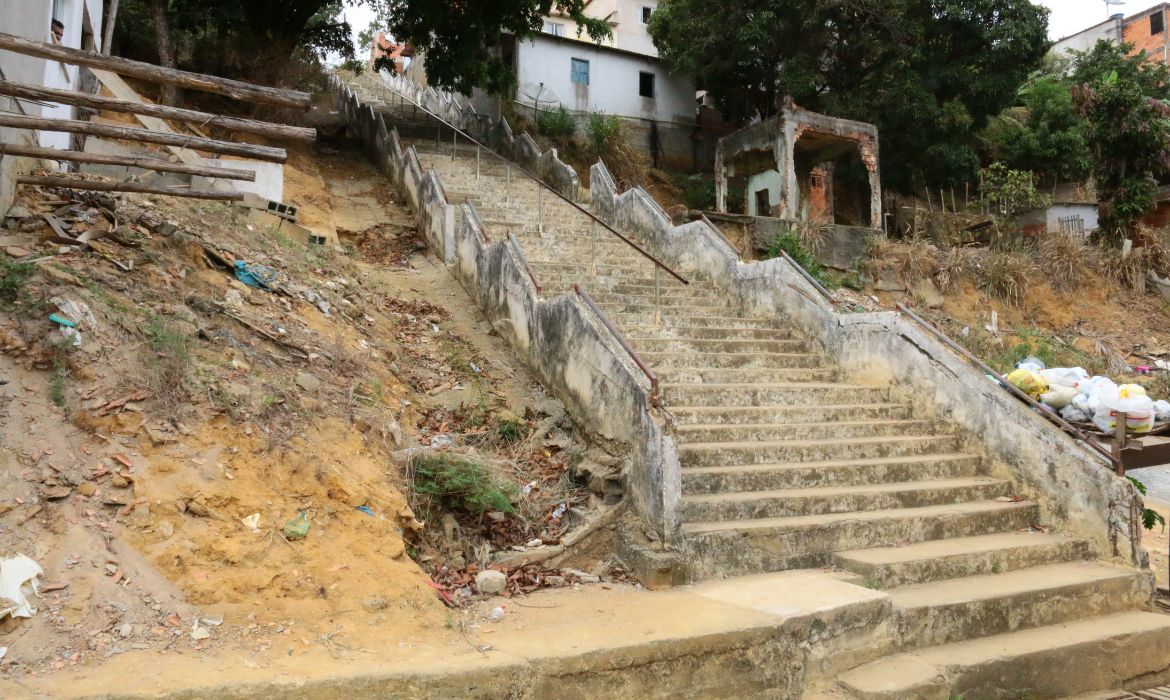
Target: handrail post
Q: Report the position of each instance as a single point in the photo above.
(540, 210)
(593, 249)
(454, 141)
(508, 186)
(657, 298)
(477, 163)
(1119, 440)
(438, 137)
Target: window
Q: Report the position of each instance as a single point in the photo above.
(580, 71)
(644, 12)
(554, 28)
(646, 84)
(763, 203)
(1157, 22)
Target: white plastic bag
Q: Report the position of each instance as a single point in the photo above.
(1059, 396)
(1161, 411)
(16, 575)
(1064, 376)
(1075, 414)
(1129, 399)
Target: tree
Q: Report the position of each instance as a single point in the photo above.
(166, 47)
(1044, 134)
(461, 39)
(1122, 99)
(928, 73)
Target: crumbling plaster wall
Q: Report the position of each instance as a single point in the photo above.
(560, 339)
(1078, 494)
(780, 135)
(522, 149)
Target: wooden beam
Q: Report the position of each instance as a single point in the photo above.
(245, 92)
(158, 164)
(111, 104)
(73, 126)
(99, 186)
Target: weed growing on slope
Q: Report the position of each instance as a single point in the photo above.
(460, 482)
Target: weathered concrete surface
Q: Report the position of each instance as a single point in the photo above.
(758, 637)
(559, 338)
(1077, 494)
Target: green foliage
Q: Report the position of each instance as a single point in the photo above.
(790, 243)
(698, 191)
(1010, 192)
(558, 123)
(1150, 517)
(604, 133)
(12, 279)
(1122, 99)
(462, 483)
(461, 40)
(928, 73)
(1044, 133)
(511, 430)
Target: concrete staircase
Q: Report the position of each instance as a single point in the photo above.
(787, 465)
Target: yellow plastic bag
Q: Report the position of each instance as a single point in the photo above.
(1028, 381)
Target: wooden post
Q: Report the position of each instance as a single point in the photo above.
(245, 92)
(1119, 440)
(98, 186)
(111, 104)
(247, 150)
(130, 161)
(108, 27)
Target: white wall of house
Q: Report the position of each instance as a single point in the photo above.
(545, 70)
(625, 18)
(1087, 213)
(1085, 40)
(767, 180)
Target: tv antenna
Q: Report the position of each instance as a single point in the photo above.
(1109, 4)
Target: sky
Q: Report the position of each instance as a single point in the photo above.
(1068, 16)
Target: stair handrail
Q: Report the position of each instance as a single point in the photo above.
(1079, 435)
(542, 184)
(654, 395)
(523, 260)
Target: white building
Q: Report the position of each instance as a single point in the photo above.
(622, 76)
(82, 20)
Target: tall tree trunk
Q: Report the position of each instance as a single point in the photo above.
(108, 27)
(166, 46)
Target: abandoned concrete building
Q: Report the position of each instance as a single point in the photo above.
(803, 166)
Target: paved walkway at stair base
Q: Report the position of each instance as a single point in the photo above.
(758, 636)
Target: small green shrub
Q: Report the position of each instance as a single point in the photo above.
(1150, 517)
(12, 279)
(604, 133)
(698, 191)
(169, 363)
(790, 243)
(558, 123)
(460, 482)
(511, 430)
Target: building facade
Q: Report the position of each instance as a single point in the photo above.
(78, 24)
(622, 76)
(1145, 30)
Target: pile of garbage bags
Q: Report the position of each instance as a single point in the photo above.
(1079, 398)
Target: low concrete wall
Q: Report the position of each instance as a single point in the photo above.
(560, 339)
(1077, 493)
(498, 136)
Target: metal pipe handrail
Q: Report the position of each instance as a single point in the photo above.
(654, 396)
(807, 276)
(544, 185)
(719, 232)
(524, 261)
(474, 216)
(1012, 389)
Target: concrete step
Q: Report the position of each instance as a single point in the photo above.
(720, 549)
(711, 454)
(966, 556)
(759, 477)
(766, 432)
(772, 394)
(954, 610)
(702, 375)
(751, 505)
(643, 320)
(1095, 653)
(690, 415)
(708, 345)
(715, 360)
(673, 298)
(712, 332)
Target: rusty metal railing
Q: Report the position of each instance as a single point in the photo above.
(655, 400)
(1078, 434)
(524, 261)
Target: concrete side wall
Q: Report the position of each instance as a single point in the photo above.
(1077, 492)
(498, 135)
(560, 339)
(1109, 30)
